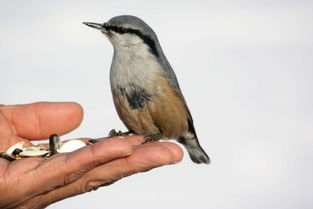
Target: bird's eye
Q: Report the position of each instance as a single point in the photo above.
(122, 30)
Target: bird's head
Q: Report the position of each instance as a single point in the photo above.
(127, 31)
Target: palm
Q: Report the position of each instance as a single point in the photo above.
(38, 182)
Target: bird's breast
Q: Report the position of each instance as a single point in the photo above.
(137, 67)
(157, 108)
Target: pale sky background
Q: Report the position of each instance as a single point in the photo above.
(245, 68)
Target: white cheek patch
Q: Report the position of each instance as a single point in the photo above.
(124, 40)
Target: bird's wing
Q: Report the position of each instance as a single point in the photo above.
(191, 127)
(171, 76)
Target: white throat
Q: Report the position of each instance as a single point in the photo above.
(132, 63)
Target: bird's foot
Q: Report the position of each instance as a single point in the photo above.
(152, 138)
(113, 133)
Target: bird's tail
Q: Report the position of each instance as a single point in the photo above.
(196, 153)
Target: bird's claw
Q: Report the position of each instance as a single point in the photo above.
(113, 133)
(152, 138)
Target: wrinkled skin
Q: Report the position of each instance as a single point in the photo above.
(37, 182)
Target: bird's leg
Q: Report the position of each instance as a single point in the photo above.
(151, 138)
(113, 133)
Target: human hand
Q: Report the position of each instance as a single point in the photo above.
(37, 182)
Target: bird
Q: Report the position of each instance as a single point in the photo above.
(145, 89)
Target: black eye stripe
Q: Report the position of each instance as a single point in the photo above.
(146, 39)
(116, 29)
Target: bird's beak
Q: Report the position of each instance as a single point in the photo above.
(96, 26)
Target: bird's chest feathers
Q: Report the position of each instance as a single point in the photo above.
(133, 65)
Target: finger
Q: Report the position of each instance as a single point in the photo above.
(6, 132)
(71, 166)
(62, 169)
(40, 120)
(134, 139)
(137, 140)
(144, 158)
